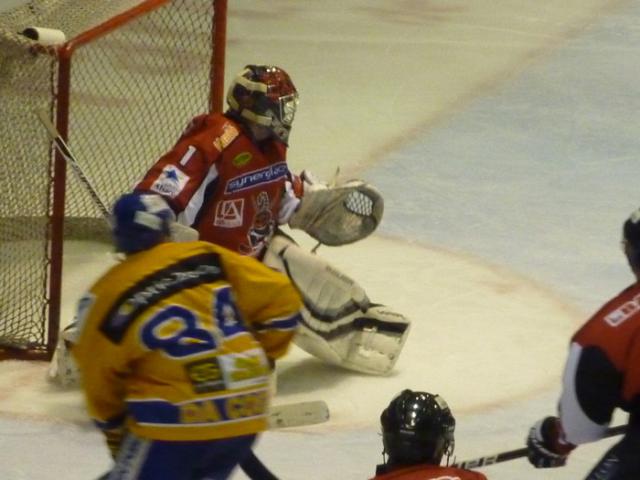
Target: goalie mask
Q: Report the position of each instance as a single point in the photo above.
(140, 221)
(266, 96)
(417, 427)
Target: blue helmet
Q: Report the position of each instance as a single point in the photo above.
(140, 221)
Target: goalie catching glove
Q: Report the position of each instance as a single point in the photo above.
(337, 214)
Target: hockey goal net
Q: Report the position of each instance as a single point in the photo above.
(125, 82)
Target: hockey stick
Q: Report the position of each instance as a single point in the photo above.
(252, 466)
(280, 416)
(73, 163)
(521, 452)
(298, 414)
(284, 416)
(179, 233)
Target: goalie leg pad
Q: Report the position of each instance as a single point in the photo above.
(340, 325)
(328, 292)
(371, 344)
(378, 340)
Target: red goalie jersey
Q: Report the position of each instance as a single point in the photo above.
(218, 180)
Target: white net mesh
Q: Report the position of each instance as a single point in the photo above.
(132, 91)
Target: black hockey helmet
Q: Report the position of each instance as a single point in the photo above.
(631, 239)
(417, 427)
(264, 95)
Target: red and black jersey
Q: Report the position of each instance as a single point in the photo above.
(602, 372)
(222, 183)
(426, 472)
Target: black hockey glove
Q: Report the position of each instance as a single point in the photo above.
(547, 449)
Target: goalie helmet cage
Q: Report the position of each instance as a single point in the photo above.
(120, 90)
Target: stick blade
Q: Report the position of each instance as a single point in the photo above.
(298, 414)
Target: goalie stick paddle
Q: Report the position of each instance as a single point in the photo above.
(521, 452)
(73, 163)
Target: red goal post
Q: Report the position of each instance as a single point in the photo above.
(129, 77)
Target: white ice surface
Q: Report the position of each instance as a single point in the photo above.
(9, 4)
(503, 137)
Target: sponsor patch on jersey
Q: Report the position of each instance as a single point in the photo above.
(205, 375)
(248, 180)
(241, 159)
(229, 134)
(623, 312)
(170, 182)
(186, 273)
(250, 368)
(229, 213)
(227, 409)
(207, 411)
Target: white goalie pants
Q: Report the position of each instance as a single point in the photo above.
(340, 324)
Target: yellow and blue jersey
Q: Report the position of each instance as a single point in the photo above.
(176, 341)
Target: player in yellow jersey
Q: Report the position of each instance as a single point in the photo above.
(174, 348)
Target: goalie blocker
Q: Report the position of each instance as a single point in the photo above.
(340, 324)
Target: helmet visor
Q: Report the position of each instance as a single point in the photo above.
(288, 107)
